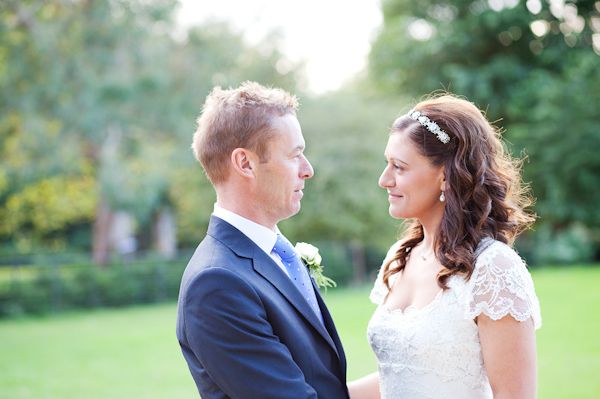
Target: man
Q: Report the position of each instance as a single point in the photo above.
(247, 326)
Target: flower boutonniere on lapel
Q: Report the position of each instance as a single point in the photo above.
(311, 258)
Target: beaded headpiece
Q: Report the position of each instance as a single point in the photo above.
(430, 125)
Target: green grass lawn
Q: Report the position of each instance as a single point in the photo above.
(133, 352)
(568, 344)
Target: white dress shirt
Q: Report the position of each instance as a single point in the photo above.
(262, 236)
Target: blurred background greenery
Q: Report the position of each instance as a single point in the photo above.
(98, 101)
(102, 202)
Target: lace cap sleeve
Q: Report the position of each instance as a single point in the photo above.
(501, 285)
(380, 291)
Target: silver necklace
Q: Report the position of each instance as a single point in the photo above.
(424, 254)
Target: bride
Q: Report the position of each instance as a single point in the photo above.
(457, 310)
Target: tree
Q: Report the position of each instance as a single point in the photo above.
(557, 123)
(78, 74)
(483, 50)
(531, 65)
(100, 96)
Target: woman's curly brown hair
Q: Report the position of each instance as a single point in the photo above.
(485, 195)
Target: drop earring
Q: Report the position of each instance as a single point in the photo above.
(442, 197)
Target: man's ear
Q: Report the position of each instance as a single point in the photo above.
(243, 162)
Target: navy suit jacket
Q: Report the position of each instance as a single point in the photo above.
(246, 331)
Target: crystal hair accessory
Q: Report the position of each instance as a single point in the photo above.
(430, 125)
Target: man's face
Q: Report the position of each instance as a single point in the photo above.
(280, 180)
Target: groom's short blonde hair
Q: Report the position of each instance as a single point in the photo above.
(238, 118)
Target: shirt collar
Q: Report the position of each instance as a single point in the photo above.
(262, 236)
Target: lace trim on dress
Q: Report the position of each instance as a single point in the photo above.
(380, 291)
(501, 285)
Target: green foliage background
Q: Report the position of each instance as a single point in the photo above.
(542, 89)
(97, 107)
(98, 101)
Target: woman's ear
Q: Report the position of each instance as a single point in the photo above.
(243, 162)
(443, 185)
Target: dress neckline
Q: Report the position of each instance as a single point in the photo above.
(412, 308)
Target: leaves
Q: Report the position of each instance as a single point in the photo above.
(531, 65)
(104, 92)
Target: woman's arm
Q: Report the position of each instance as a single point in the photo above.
(509, 354)
(365, 387)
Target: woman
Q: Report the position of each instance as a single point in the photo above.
(457, 308)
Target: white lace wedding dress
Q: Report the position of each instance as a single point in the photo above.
(435, 352)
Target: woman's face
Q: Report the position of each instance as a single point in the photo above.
(414, 185)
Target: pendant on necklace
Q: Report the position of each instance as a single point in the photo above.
(423, 254)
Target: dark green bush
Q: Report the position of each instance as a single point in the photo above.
(49, 289)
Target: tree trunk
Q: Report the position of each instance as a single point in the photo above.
(164, 238)
(359, 262)
(101, 233)
(122, 235)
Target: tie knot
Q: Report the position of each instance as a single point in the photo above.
(284, 248)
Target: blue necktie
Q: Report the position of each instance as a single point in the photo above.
(298, 272)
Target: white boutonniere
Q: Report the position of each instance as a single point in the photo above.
(311, 258)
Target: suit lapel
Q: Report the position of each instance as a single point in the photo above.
(265, 266)
(339, 349)
(269, 270)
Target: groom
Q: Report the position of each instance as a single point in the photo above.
(247, 326)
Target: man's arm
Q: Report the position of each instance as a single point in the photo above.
(227, 329)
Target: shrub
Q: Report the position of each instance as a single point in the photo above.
(45, 289)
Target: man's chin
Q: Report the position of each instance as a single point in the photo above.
(288, 213)
(294, 210)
